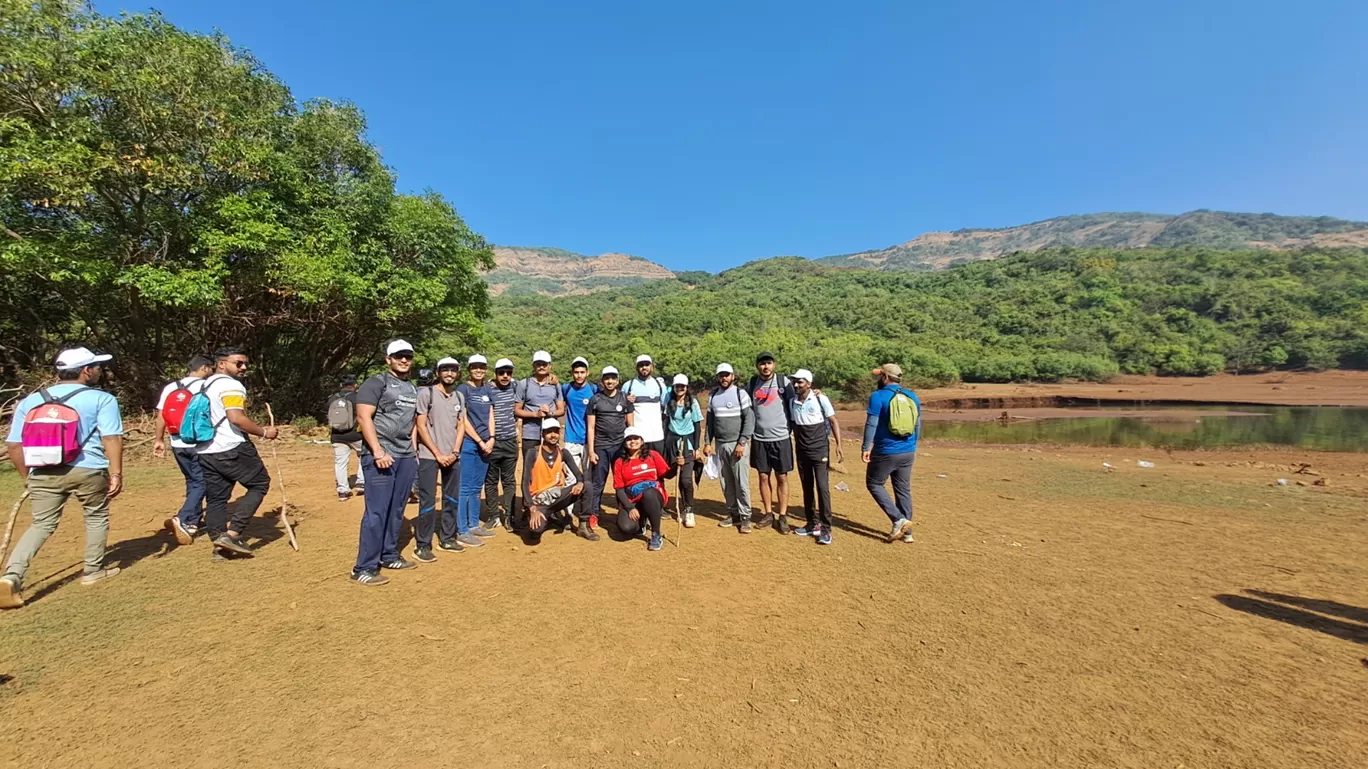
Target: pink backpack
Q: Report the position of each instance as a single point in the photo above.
(51, 434)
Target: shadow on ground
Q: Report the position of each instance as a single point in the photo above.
(1303, 612)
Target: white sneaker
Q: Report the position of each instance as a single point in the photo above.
(100, 576)
(897, 530)
(688, 520)
(9, 593)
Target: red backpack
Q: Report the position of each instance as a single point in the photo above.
(52, 431)
(173, 410)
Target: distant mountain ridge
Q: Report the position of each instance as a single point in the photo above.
(556, 272)
(1210, 229)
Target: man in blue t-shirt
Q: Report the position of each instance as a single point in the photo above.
(888, 454)
(94, 477)
(578, 392)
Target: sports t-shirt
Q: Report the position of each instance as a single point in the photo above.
(99, 414)
(443, 414)
(477, 400)
(505, 422)
(225, 394)
(192, 383)
(684, 419)
(649, 416)
(769, 397)
(810, 426)
(610, 418)
(577, 411)
(396, 407)
(532, 394)
(885, 442)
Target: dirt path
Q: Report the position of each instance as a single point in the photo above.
(1051, 613)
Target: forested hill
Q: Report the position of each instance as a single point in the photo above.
(1049, 315)
(1206, 229)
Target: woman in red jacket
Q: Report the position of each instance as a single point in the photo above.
(639, 474)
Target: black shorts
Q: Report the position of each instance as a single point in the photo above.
(772, 456)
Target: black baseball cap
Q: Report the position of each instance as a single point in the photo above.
(348, 380)
(764, 356)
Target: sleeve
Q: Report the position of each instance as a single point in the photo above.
(875, 407)
(827, 410)
(368, 394)
(560, 393)
(624, 502)
(233, 394)
(424, 400)
(16, 431)
(564, 389)
(166, 392)
(747, 418)
(108, 418)
(520, 391)
(569, 460)
(871, 427)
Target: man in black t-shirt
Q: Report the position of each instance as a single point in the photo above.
(386, 412)
(609, 416)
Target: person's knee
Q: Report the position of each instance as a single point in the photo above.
(628, 526)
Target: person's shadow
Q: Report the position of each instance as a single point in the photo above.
(1303, 612)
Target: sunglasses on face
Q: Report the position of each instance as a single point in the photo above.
(403, 356)
(502, 371)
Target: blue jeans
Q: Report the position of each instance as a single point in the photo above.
(188, 462)
(899, 466)
(474, 466)
(387, 491)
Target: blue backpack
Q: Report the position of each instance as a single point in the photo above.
(196, 424)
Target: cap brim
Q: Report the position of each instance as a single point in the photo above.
(100, 359)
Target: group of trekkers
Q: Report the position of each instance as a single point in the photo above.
(451, 441)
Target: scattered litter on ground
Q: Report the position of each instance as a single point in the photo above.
(842, 486)
(1108, 465)
(1282, 481)
(942, 475)
(1144, 463)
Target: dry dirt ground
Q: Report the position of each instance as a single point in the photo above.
(1051, 613)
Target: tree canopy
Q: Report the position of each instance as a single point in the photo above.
(162, 194)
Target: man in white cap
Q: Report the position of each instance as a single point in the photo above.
(537, 398)
(551, 481)
(730, 424)
(647, 392)
(479, 444)
(441, 412)
(90, 467)
(503, 462)
(577, 394)
(231, 458)
(609, 417)
(814, 425)
(386, 412)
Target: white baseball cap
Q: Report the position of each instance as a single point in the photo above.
(550, 424)
(541, 356)
(398, 345)
(644, 359)
(502, 363)
(448, 361)
(608, 370)
(725, 368)
(680, 379)
(578, 361)
(634, 432)
(803, 374)
(477, 360)
(80, 357)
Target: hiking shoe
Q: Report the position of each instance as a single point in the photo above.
(560, 523)
(508, 523)
(369, 578)
(450, 546)
(657, 541)
(470, 539)
(343, 496)
(688, 519)
(424, 555)
(781, 524)
(825, 537)
(765, 521)
(727, 522)
(9, 593)
(808, 531)
(897, 530)
(225, 542)
(745, 526)
(359, 491)
(493, 524)
(399, 564)
(100, 576)
(481, 531)
(907, 535)
(593, 521)
(586, 531)
(183, 536)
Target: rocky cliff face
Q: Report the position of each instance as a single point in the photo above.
(554, 272)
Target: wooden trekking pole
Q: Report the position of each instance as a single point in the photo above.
(284, 503)
(680, 445)
(9, 527)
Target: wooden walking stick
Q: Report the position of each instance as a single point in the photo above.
(9, 527)
(284, 503)
(680, 444)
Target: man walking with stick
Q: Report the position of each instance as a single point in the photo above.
(386, 412)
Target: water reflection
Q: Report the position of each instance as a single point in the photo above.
(1321, 429)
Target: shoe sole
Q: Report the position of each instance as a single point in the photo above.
(182, 536)
(901, 530)
(9, 596)
(461, 549)
(108, 575)
(430, 560)
(234, 549)
(383, 580)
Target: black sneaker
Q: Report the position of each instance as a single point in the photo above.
(765, 521)
(781, 524)
(744, 526)
(450, 546)
(424, 555)
(237, 546)
(399, 564)
(507, 523)
(727, 522)
(369, 578)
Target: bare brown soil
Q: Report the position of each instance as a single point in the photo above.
(1051, 614)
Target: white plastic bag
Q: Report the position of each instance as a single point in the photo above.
(712, 469)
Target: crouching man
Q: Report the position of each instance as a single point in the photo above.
(552, 482)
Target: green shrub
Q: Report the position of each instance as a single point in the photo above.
(305, 424)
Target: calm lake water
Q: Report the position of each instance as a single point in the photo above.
(1322, 429)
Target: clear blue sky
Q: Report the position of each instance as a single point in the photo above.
(706, 134)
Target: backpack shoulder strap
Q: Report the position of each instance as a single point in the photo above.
(47, 396)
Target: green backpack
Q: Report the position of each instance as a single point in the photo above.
(903, 414)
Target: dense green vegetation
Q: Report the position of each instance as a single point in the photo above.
(1044, 316)
(162, 194)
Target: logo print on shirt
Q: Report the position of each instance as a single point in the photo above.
(765, 396)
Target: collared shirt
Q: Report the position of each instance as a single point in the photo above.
(532, 394)
(443, 413)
